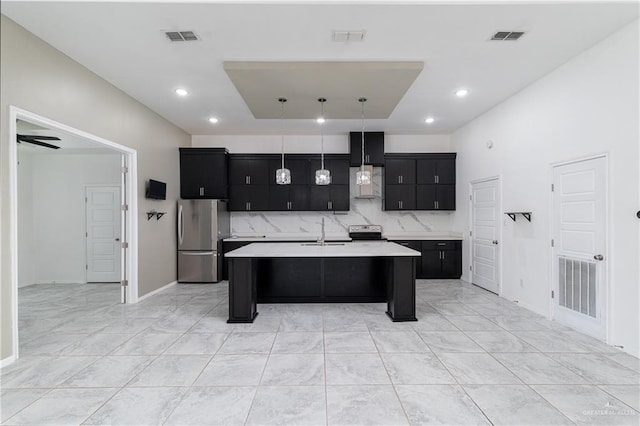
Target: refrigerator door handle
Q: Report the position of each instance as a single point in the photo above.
(180, 226)
(198, 253)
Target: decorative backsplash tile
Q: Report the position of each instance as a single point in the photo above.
(363, 211)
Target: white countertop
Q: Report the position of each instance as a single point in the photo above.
(424, 236)
(353, 249)
(285, 237)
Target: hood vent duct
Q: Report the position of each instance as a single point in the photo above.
(181, 35)
(507, 35)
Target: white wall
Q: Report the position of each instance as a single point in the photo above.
(51, 213)
(362, 211)
(587, 106)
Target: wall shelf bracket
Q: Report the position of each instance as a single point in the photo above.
(512, 215)
(153, 213)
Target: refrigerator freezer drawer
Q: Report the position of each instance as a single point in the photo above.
(198, 267)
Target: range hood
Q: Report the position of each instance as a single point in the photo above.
(366, 191)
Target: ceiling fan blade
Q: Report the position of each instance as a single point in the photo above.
(35, 142)
(36, 137)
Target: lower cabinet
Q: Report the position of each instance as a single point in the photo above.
(440, 259)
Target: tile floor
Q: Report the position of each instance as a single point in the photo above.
(472, 358)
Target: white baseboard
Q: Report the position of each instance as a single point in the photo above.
(7, 361)
(158, 290)
(534, 309)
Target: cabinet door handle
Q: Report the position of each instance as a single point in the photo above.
(329, 205)
(401, 204)
(201, 191)
(367, 158)
(248, 205)
(399, 179)
(435, 204)
(438, 205)
(442, 255)
(437, 179)
(289, 205)
(441, 244)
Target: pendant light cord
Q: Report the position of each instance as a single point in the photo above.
(322, 135)
(362, 101)
(282, 101)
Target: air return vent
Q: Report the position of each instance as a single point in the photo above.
(507, 35)
(181, 35)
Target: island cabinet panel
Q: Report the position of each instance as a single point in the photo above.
(401, 296)
(373, 148)
(282, 280)
(355, 279)
(417, 246)
(243, 295)
(203, 173)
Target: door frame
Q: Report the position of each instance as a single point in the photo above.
(86, 249)
(497, 178)
(129, 192)
(607, 226)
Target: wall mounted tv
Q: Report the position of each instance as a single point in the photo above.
(156, 190)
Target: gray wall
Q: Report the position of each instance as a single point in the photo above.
(37, 78)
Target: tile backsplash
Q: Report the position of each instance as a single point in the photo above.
(363, 211)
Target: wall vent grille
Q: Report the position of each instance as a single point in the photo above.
(577, 285)
(181, 35)
(507, 35)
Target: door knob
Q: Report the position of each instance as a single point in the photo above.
(495, 242)
(598, 257)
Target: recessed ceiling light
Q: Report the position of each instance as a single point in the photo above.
(429, 120)
(213, 120)
(461, 93)
(320, 120)
(181, 92)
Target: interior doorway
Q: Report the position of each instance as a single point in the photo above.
(579, 256)
(102, 235)
(485, 233)
(125, 251)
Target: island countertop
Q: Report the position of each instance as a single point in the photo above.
(353, 249)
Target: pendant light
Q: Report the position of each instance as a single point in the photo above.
(363, 177)
(323, 176)
(283, 175)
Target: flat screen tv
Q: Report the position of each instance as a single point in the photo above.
(157, 190)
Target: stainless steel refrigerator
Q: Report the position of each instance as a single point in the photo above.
(202, 225)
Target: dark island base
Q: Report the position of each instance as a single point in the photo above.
(321, 280)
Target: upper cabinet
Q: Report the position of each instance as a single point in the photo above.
(248, 170)
(373, 148)
(203, 173)
(420, 182)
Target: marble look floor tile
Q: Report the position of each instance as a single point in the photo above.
(364, 405)
(301, 322)
(138, 406)
(550, 341)
(629, 394)
(14, 400)
(212, 324)
(43, 372)
(293, 369)
(344, 323)
(381, 322)
(171, 370)
(439, 405)
(355, 369)
(173, 324)
(128, 325)
(49, 344)
(499, 341)
(416, 369)
(391, 341)
(63, 406)
(449, 341)
(146, 343)
(588, 405)
(473, 323)
(598, 369)
(284, 405)
(264, 323)
(451, 309)
(626, 360)
(248, 343)
(515, 405)
(537, 368)
(435, 322)
(520, 323)
(110, 371)
(348, 342)
(593, 344)
(298, 342)
(197, 344)
(469, 368)
(96, 344)
(213, 406)
(233, 370)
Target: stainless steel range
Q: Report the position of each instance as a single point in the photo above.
(365, 232)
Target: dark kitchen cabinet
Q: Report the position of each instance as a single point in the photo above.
(289, 197)
(329, 197)
(248, 198)
(203, 173)
(246, 170)
(400, 171)
(400, 197)
(339, 169)
(442, 259)
(417, 246)
(431, 178)
(373, 148)
(299, 169)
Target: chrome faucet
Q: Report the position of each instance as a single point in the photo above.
(321, 240)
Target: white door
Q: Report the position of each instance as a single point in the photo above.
(485, 231)
(579, 252)
(103, 234)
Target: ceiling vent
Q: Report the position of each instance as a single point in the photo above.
(347, 36)
(181, 35)
(507, 35)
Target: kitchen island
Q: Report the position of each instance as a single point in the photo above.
(352, 272)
